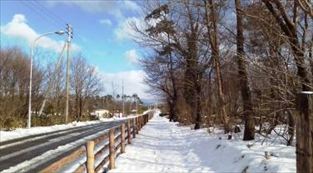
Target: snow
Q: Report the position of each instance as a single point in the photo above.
(23, 132)
(162, 146)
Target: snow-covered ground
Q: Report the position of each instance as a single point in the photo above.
(162, 146)
(22, 132)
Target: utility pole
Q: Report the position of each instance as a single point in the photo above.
(69, 32)
(123, 104)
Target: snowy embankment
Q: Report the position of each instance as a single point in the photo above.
(23, 132)
(162, 146)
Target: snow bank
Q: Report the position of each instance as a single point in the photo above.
(162, 146)
(22, 132)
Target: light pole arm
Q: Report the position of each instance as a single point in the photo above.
(39, 37)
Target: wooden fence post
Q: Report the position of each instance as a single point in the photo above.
(140, 122)
(134, 128)
(111, 149)
(128, 132)
(304, 132)
(90, 156)
(123, 138)
(137, 125)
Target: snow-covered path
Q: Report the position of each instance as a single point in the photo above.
(162, 146)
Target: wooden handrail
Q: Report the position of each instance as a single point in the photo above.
(64, 161)
(102, 150)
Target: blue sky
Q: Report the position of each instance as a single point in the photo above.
(102, 33)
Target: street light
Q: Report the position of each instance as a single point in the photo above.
(31, 73)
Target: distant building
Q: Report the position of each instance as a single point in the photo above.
(101, 113)
(118, 114)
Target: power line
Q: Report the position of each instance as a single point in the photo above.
(49, 15)
(56, 18)
(36, 12)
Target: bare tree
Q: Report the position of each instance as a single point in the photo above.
(243, 77)
(85, 83)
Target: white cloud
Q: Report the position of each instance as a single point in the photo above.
(133, 83)
(106, 22)
(132, 56)
(125, 29)
(19, 28)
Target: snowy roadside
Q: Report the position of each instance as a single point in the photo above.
(23, 132)
(162, 146)
(31, 164)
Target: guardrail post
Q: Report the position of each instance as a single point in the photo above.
(128, 132)
(111, 149)
(134, 128)
(90, 156)
(123, 138)
(304, 132)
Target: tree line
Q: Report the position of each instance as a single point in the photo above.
(229, 62)
(48, 91)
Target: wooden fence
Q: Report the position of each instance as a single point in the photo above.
(100, 153)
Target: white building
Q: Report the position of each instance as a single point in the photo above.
(101, 113)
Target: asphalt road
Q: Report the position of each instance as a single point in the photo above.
(16, 151)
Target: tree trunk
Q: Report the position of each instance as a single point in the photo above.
(249, 130)
(80, 108)
(311, 57)
(171, 109)
(213, 39)
(198, 103)
(291, 128)
(174, 87)
(304, 125)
